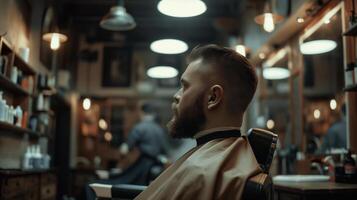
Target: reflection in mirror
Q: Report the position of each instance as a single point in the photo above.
(275, 94)
(322, 49)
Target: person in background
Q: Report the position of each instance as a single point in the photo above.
(336, 134)
(216, 89)
(144, 147)
(141, 154)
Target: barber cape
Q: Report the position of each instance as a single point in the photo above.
(217, 168)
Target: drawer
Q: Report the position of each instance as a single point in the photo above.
(48, 179)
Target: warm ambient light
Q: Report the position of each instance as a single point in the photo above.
(261, 55)
(241, 50)
(103, 124)
(333, 104)
(182, 8)
(275, 73)
(169, 46)
(268, 22)
(162, 72)
(86, 104)
(300, 20)
(317, 114)
(270, 124)
(55, 39)
(108, 136)
(317, 47)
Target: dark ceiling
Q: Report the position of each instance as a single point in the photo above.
(222, 17)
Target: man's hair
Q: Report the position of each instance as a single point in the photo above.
(235, 70)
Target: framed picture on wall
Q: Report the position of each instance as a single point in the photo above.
(116, 67)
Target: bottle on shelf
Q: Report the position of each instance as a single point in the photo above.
(26, 161)
(2, 108)
(14, 74)
(18, 117)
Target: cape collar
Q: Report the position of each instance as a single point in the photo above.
(218, 134)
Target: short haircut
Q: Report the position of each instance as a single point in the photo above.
(238, 74)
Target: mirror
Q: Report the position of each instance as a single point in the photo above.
(275, 91)
(323, 82)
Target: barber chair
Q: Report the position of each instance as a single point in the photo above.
(260, 187)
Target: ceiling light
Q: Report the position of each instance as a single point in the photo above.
(86, 104)
(55, 39)
(317, 113)
(333, 104)
(268, 19)
(300, 20)
(118, 19)
(275, 73)
(181, 8)
(162, 72)
(317, 47)
(169, 46)
(241, 50)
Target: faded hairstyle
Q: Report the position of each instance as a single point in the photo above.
(238, 75)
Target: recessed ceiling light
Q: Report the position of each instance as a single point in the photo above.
(162, 72)
(317, 47)
(169, 46)
(275, 73)
(181, 8)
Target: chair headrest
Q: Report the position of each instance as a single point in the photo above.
(263, 144)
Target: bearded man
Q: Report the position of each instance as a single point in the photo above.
(216, 89)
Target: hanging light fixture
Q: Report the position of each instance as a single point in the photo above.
(162, 72)
(55, 39)
(273, 72)
(118, 19)
(169, 46)
(182, 8)
(268, 19)
(317, 47)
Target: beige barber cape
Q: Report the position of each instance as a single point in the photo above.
(217, 169)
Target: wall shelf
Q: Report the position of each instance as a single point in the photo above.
(351, 88)
(15, 129)
(7, 84)
(352, 31)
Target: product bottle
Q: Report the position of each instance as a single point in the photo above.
(14, 74)
(26, 162)
(2, 108)
(349, 164)
(18, 116)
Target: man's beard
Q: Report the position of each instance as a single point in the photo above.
(189, 121)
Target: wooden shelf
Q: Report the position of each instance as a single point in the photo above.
(352, 31)
(49, 112)
(351, 88)
(21, 64)
(12, 128)
(7, 84)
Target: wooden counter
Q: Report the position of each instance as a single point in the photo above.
(314, 190)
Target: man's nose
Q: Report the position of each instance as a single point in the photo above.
(177, 96)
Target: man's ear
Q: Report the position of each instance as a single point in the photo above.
(215, 96)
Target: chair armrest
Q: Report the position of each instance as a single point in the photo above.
(125, 191)
(258, 187)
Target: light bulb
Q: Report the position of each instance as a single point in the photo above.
(270, 124)
(333, 104)
(268, 22)
(241, 49)
(86, 104)
(317, 114)
(55, 41)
